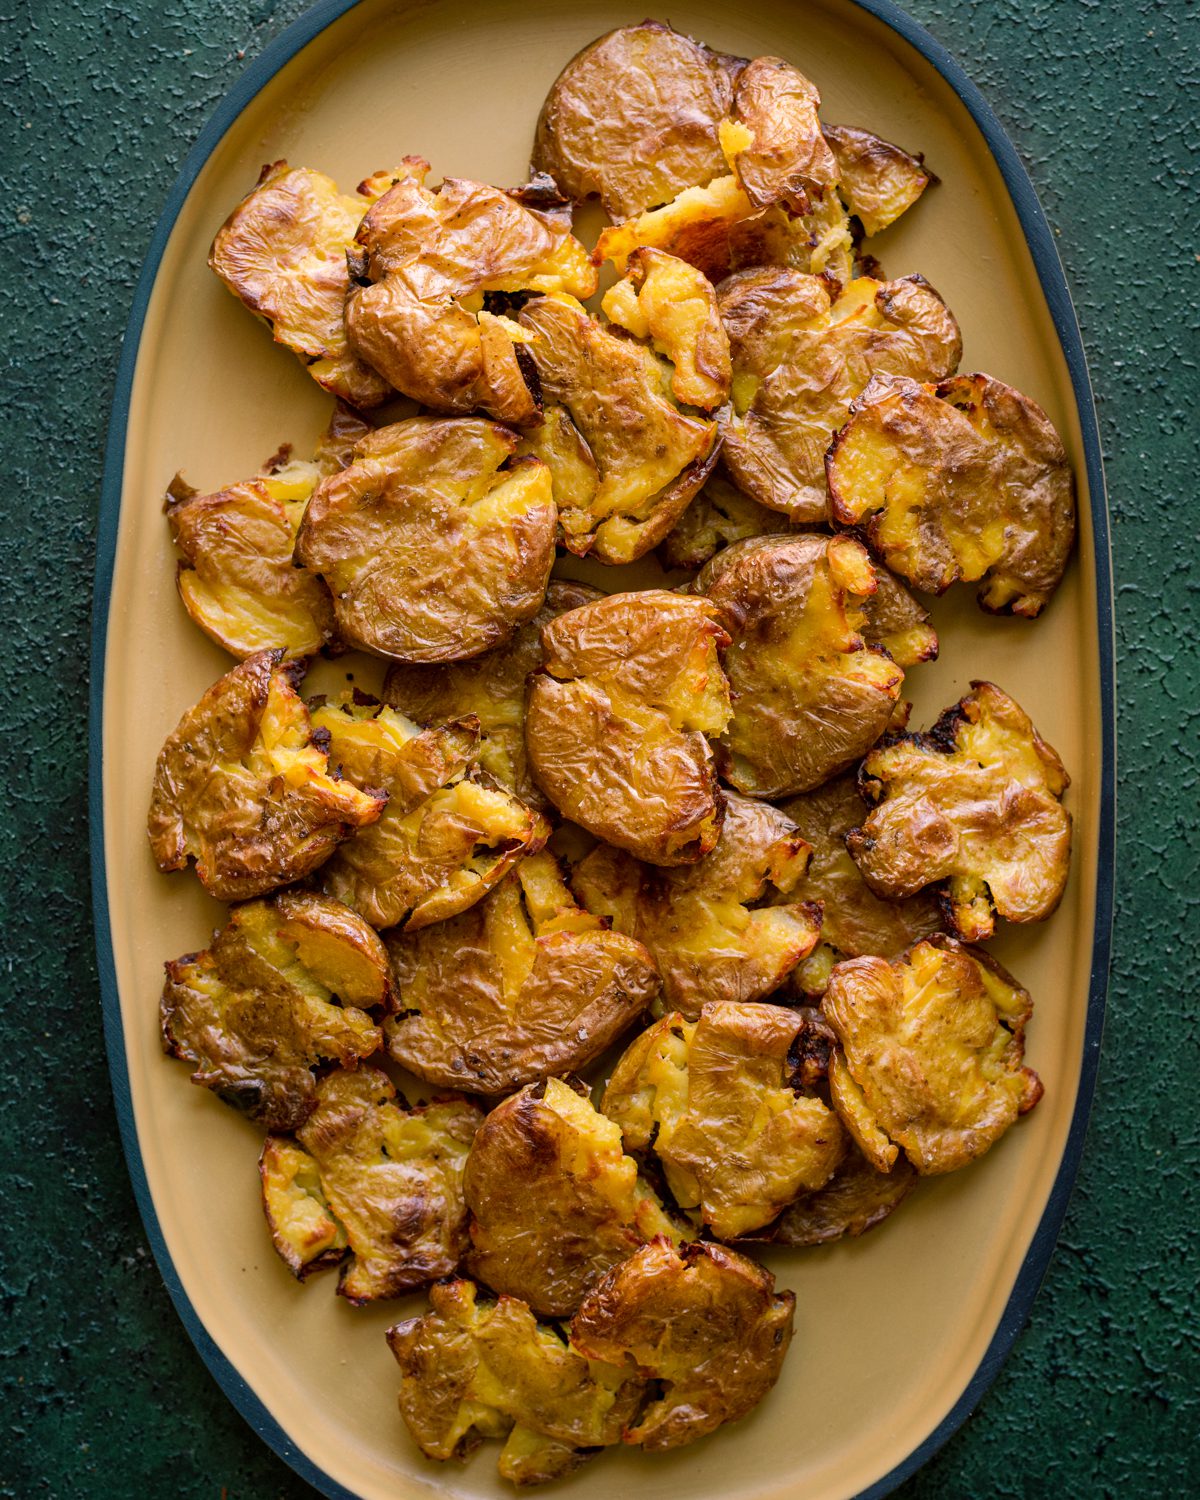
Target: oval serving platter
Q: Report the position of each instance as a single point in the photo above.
(897, 1334)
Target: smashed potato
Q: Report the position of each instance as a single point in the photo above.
(447, 835)
(855, 920)
(625, 459)
(877, 181)
(856, 1198)
(810, 696)
(475, 1369)
(703, 1321)
(492, 688)
(617, 718)
(718, 516)
(709, 926)
(282, 252)
(966, 480)
(242, 787)
(932, 1049)
(973, 807)
(634, 117)
(435, 541)
(371, 1183)
(717, 1102)
(779, 153)
(424, 265)
(800, 358)
(522, 986)
(285, 985)
(554, 1200)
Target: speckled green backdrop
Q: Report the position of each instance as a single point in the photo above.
(102, 1393)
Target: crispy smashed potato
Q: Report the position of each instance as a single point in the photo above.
(932, 1049)
(617, 718)
(703, 1321)
(522, 986)
(856, 1198)
(447, 836)
(877, 181)
(285, 985)
(800, 358)
(810, 696)
(492, 687)
(435, 541)
(625, 459)
(855, 920)
(893, 619)
(668, 302)
(718, 516)
(554, 1200)
(634, 118)
(371, 1183)
(779, 153)
(965, 480)
(242, 787)
(709, 926)
(974, 807)
(424, 265)
(717, 1102)
(475, 1369)
(282, 252)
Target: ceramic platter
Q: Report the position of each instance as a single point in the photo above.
(898, 1333)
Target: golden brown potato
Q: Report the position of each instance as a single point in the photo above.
(475, 1369)
(522, 986)
(856, 1198)
(779, 152)
(710, 927)
(617, 718)
(855, 920)
(663, 299)
(703, 1320)
(810, 696)
(282, 252)
(372, 1183)
(242, 786)
(932, 1054)
(718, 516)
(492, 688)
(634, 117)
(425, 264)
(718, 1103)
(972, 806)
(448, 834)
(625, 459)
(893, 619)
(964, 480)
(285, 985)
(800, 358)
(877, 181)
(436, 541)
(554, 1200)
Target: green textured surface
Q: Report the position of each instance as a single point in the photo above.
(102, 1393)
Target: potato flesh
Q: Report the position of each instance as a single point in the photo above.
(304, 1231)
(668, 302)
(711, 1098)
(933, 1047)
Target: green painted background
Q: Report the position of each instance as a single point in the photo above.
(102, 1393)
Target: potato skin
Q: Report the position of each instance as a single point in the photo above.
(616, 722)
(971, 807)
(258, 1009)
(492, 688)
(856, 1198)
(932, 1053)
(522, 986)
(719, 1104)
(281, 252)
(877, 181)
(710, 927)
(810, 696)
(554, 1201)
(420, 255)
(703, 1320)
(800, 358)
(964, 480)
(435, 541)
(633, 118)
(789, 159)
(219, 798)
